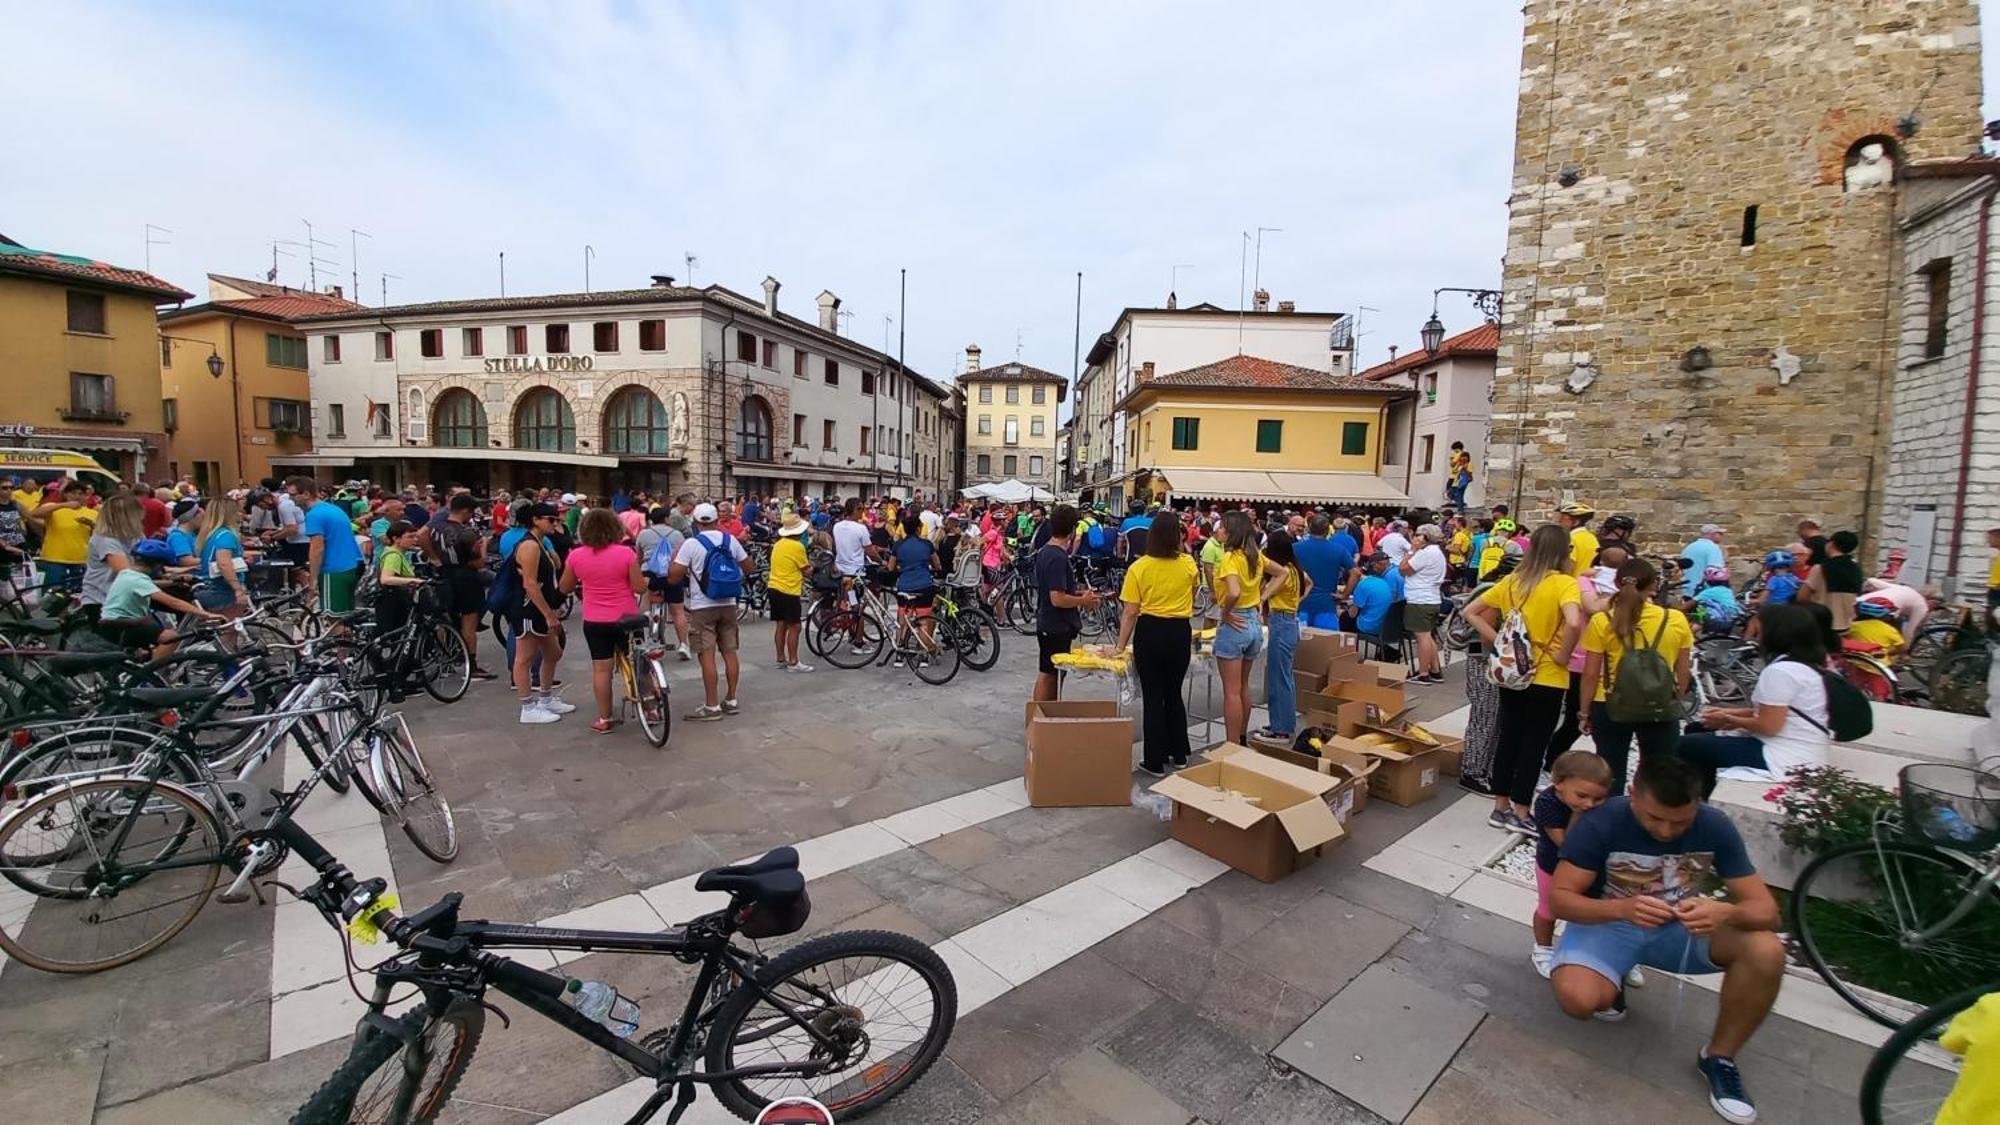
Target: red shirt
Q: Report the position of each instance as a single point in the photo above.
(154, 516)
(733, 526)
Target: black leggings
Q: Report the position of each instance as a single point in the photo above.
(1614, 741)
(1160, 651)
(1570, 727)
(1528, 717)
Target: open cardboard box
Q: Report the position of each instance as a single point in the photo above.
(1405, 774)
(1354, 703)
(1350, 769)
(1318, 646)
(1264, 817)
(1079, 753)
(1412, 737)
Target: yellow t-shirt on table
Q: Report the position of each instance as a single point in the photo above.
(788, 567)
(1582, 549)
(1542, 610)
(66, 535)
(1598, 637)
(1161, 587)
(1286, 599)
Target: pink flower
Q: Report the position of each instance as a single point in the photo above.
(1774, 793)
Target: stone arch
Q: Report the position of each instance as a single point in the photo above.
(458, 420)
(1840, 132)
(635, 421)
(1871, 161)
(542, 418)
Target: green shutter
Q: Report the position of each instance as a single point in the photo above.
(1187, 433)
(1353, 438)
(272, 356)
(1270, 435)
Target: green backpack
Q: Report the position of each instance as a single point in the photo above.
(1644, 690)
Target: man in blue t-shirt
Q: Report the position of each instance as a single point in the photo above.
(1328, 560)
(1704, 552)
(1373, 595)
(1132, 533)
(333, 559)
(1660, 878)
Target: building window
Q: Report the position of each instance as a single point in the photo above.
(771, 354)
(430, 343)
(472, 341)
(1011, 430)
(865, 435)
(1013, 394)
(517, 339)
(986, 424)
(986, 392)
(1430, 388)
(985, 463)
(753, 430)
(556, 338)
(1424, 452)
(799, 362)
(284, 351)
(170, 414)
(652, 335)
(543, 421)
(1147, 429)
(166, 352)
(458, 421)
(385, 346)
(1937, 314)
(799, 430)
(1270, 435)
(1040, 395)
(1187, 433)
(1035, 426)
(746, 347)
(832, 373)
(92, 396)
(1034, 466)
(1353, 439)
(86, 312)
(867, 382)
(604, 336)
(635, 423)
(329, 348)
(1010, 465)
(336, 420)
(288, 415)
(827, 431)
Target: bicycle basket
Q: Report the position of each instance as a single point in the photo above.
(1955, 807)
(775, 917)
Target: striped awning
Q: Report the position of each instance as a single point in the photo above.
(1320, 487)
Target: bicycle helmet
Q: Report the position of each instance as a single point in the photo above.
(1579, 510)
(1715, 576)
(153, 551)
(1778, 560)
(1616, 524)
(1873, 611)
(1505, 526)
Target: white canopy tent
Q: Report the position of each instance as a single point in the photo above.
(1008, 491)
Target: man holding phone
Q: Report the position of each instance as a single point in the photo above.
(1659, 878)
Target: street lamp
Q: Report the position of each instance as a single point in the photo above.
(214, 358)
(1433, 334)
(1486, 300)
(215, 364)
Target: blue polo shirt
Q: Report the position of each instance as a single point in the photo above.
(328, 520)
(1372, 598)
(1327, 562)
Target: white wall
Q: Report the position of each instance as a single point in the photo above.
(1460, 413)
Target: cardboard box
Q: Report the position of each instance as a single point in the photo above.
(1079, 753)
(1264, 817)
(1317, 647)
(1353, 704)
(1451, 751)
(1406, 774)
(1350, 769)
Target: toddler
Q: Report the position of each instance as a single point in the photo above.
(1579, 781)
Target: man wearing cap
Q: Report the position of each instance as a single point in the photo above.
(1704, 552)
(712, 621)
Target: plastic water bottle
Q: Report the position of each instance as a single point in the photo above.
(601, 1002)
(1946, 821)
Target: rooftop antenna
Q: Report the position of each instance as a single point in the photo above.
(1358, 310)
(589, 252)
(843, 316)
(275, 243)
(1017, 345)
(688, 257)
(354, 238)
(1242, 293)
(503, 273)
(1174, 280)
(1257, 272)
(385, 286)
(151, 230)
(312, 256)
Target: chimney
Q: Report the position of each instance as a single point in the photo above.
(662, 281)
(1146, 372)
(335, 292)
(1173, 302)
(1288, 306)
(1392, 353)
(971, 358)
(1260, 301)
(829, 311)
(771, 297)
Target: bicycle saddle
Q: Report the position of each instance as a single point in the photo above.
(632, 621)
(170, 696)
(72, 662)
(774, 875)
(40, 626)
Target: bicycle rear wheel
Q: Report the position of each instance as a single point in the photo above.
(1018, 610)
(656, 712)
(447, 666)
(405, 1077)
(409, 793)
(1910, 1077)
(853, 639)
(1958, 683)
(978, 639)
(886, 999)
(933, 667)
(110, 897)
(1859, 913)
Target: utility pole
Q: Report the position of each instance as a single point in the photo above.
(902, 376)
(1076, 360)
(589, 252)
(354, 238)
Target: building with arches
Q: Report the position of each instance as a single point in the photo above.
(667, 388)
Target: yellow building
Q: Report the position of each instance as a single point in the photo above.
(1252, 429)
(80, 358)
(237, 406)
(1010, 422)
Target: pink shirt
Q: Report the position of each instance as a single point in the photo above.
(634, 521)
(605, 575)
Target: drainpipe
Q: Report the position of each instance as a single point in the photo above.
(1972, 378)
(236, 402)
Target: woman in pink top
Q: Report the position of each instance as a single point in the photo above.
(633, 519)
(608, 572)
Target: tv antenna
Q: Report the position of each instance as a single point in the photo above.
(385, 286)
(151, 230)
(354, 238)
(313, 260)
(272, 276)
(688, 257)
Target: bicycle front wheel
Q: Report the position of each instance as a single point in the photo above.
(398, 1078)
(447, 665)
(409, 793)
(1861, 915)
(1958, 683)
(978, 639)
(1910, 1077)
(134, 862)
(853, 639)
(886, 1000)
(656, 712)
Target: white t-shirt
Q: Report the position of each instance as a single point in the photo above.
(1795, 686)
(1395, 545)
(291, 518)
(931, 521)
(850, 547)
(694, 555)
(1424, 585)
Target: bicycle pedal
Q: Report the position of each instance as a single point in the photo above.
(235, 897)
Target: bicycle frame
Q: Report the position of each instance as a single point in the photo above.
(1989, 877)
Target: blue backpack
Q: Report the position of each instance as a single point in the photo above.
(1099, 539)
(721, 578)
(662, 557)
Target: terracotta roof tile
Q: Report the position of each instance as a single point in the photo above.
(18, 259)
(1470, 344)
(1014, 373)
(1251, 372)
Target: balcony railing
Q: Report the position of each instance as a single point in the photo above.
(89, 412)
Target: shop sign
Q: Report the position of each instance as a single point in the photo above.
(536, 364)
(16, 430)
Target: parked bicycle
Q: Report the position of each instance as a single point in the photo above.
(1911, 1075)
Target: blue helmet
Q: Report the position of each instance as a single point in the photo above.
(1779, 560)
(1873, 611)
(153, 551)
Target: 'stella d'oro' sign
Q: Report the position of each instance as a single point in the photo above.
(536, 364)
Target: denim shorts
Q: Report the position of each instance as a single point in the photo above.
(1240, 643)
(1610, 949)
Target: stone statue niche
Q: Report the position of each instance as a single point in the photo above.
(1871, 164)
(677, 424)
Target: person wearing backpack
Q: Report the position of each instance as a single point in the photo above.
(711, 561)
(659, 542)
(1637, 667)
(1796, 710)
(1528, 623)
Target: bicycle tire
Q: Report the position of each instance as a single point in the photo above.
(27, 776)
(1931, 644)
(446, 663)
(1019, 611)
(933, 668)
(839, 647)
(1839, 932)
(806, 956)
(335, 1102)
(1959, 682)
(1925, 1092)
(340, 777)
(197, 888)
(979, 636)
(654, 703)
(405, 784)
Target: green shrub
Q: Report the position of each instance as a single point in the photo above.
(1825, 807)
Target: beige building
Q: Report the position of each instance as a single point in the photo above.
(1010, 422)
(1701, 279)
(1452, 401)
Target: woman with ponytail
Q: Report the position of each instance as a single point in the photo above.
(1633, 622)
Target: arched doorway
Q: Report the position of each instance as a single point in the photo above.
(543, 421)
(459, 421)
(635, 424)
(753, 430)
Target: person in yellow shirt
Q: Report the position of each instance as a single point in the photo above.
(1633, 621)
(1282, 593)
(786, 587)
(66, 528)
(1546, 595)
(1993, 572)
(1576, 519)
(1974, 1036)
(1158, 596)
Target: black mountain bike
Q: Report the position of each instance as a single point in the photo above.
(848, 1019)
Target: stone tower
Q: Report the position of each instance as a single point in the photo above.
(1699, 278)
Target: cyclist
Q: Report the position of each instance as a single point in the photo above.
(127, 615)
(1495, 548)
(608, 573)
(455, 543)
(713, 617)
(1715, 603)
(1575, 518)
(217, 549)
(916, 586)
(532, 616)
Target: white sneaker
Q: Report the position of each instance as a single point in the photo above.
(781, 665)
(554, 703)
(532, 713)
(683, 650)
(1544, 959)
(1636, 978)
(801, 666)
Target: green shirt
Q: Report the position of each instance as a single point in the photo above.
(396, 564)
(130, 596)
(1211, 551)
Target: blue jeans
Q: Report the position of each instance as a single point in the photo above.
(1709, 752)
(1280, 689)
(1611, 949)
(1243, 642)
(1327, 619)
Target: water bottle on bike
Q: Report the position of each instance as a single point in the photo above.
(602, 1004)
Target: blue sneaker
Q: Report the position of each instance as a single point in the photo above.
(1725, 1088)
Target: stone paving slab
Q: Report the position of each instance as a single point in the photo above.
(1382, 1040)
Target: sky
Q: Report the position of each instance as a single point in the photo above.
(993, 151)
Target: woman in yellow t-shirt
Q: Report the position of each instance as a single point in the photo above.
(66, 528)
(1281, 616)
(1632, 622)
(1158, 595)
(1551, 606)
(785, 588)
(1239, 636)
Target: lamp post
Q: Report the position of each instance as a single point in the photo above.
(216, 366)
(1485, 300)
